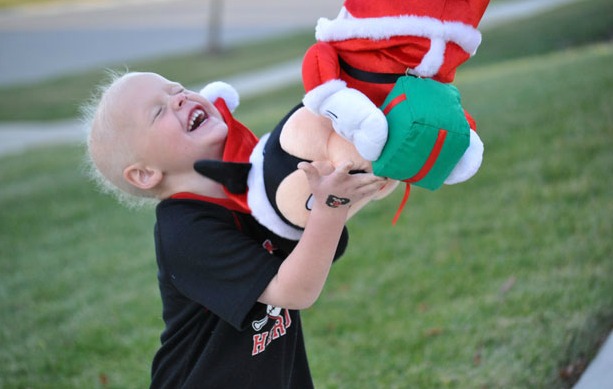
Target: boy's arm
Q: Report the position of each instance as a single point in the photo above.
(302, 275)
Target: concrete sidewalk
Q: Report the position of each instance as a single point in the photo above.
(599, 374)
(17, 137)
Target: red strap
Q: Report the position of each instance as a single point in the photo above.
(436, 150)
(407, 191)
(395, 101)
(425, 169)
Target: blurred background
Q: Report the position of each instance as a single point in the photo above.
(42, 38)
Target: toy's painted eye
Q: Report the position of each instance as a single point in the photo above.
(309, 203)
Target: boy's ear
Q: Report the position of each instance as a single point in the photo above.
(142, 177)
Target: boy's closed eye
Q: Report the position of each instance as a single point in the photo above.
(157, 113)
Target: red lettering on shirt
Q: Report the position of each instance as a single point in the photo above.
(269, 246)
(288, 319)
(259, 343)
(279, 329)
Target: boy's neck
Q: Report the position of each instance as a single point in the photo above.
(196, 184)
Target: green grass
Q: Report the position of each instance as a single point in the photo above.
(499, 282)
(575, 24)
(496, 283)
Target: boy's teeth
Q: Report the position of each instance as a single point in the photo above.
(197, 118)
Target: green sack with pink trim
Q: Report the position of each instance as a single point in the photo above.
(428, 132)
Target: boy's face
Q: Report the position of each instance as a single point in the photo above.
(169, 127)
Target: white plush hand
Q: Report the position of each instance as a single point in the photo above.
(358, 120)
(469, 163)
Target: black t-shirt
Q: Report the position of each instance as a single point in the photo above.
(214, 262)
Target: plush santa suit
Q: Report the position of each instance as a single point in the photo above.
(380, 41)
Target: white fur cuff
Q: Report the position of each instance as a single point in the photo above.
(315, 97)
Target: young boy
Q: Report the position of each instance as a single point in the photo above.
(231, 289)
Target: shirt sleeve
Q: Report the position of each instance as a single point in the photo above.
(210, 261)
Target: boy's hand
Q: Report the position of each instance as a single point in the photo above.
(335, 187)
(303, 273)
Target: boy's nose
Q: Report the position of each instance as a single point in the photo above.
(178, 100)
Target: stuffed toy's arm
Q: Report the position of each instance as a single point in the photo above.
(320, 65)
(353, 115)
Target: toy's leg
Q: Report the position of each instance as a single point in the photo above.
(358, 120)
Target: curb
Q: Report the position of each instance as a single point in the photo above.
(599, 374)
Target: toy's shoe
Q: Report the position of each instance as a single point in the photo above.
(353, 115)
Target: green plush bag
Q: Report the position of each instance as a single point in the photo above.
(428, 132)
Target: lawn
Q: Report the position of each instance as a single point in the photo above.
(500, 282)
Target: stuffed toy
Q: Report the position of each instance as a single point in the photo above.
(378, 93)
(272, 188)
(361, 53)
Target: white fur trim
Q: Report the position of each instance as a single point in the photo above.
(315, 97)
(470, 162)
(220, 89)
(345, 26)
(464, 35)
(261, 209)
(432, 61)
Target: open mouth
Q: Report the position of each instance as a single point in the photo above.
(197, 117)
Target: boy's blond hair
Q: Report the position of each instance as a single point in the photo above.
(108, 148)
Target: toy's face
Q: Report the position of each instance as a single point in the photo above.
(311, 137)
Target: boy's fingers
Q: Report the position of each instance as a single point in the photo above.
(344, 167)
(324, 167)
(308, 168)
(377, 184)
